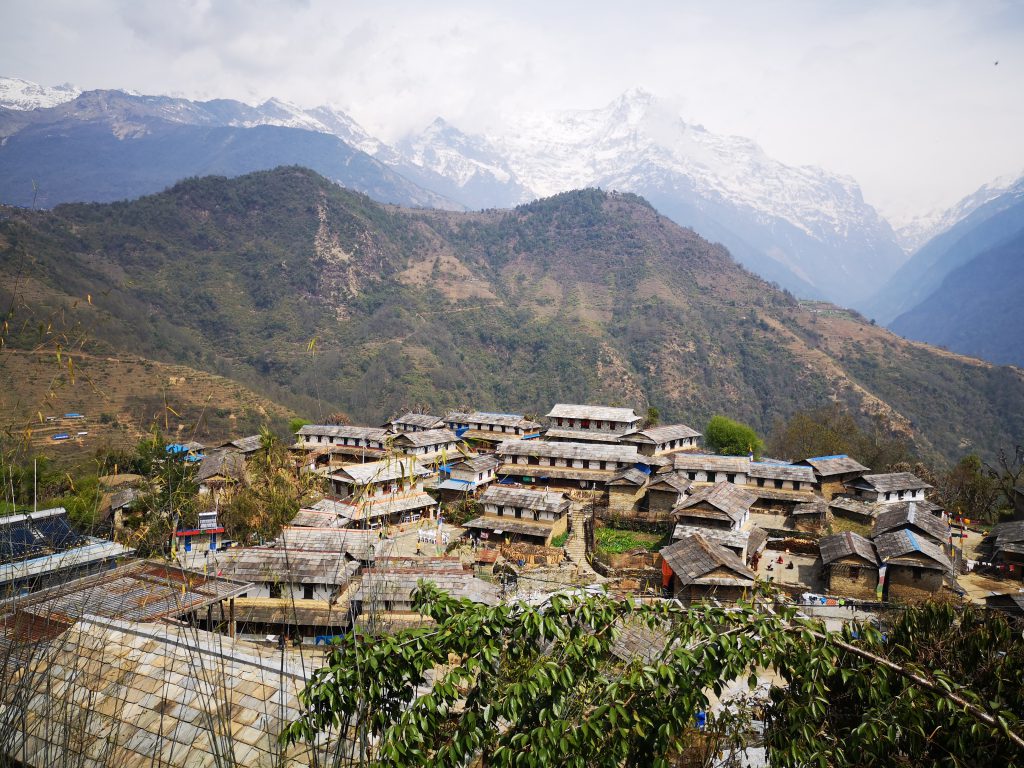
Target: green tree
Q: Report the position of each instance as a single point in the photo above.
(525, 685)
(969, 491)
(653, 417)
(294, 425)
(732, 438)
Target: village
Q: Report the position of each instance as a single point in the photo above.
(491, 508)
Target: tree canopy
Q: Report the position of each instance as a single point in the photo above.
(588, 680)
(732, 438)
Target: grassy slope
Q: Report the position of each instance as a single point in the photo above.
(584, 296)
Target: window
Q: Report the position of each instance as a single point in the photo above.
(760, 482)
(692, 475)
(711, 477)
(731, 477)
(854, 572)
(307, 592)
(778, 483)
(275, 590)
(918, 574)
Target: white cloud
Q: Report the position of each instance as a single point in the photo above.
(902, 96)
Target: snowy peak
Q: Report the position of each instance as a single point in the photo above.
(443, 149)
(21, 95)
(914, 233)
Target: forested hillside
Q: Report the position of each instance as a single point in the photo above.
(323, 300)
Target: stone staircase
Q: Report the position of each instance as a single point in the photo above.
(576, 547)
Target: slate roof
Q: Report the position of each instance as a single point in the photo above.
(380, 471)
(889, 482)
(584, 435)
(661, 435)
(426, 438)
(311, 518)
(898, 548)
(731, 499)
(846, 544)
(510, 524)
(781, 472)
(592, 412)
(377, 434)
(816, 508)
(494, 419)
(670, 481)
(858, 507)
(749, 541)
(361, 545)
(556, 450)
(907, 514)
(136, 695)
(693, 559)
(1008, 533)
(546, 501)
(227, 464)
(421, 420)
(124, 498)
(247, 444)
(708, 462)
(631, 476)
(272, 566)
(829, 466)
(396, 584)
(478, 463)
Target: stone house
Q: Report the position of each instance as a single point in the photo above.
(583, 464)
(414, 422)
(889, 487)
(468, 476)
(658, 441)
(854, 510)
(914, 568)
(487, 430)
(707, 468)
(521, 513)
(913, 516)
(699, 569)
(833, 471)
(343, 443)
(383, 492)
(850, 564)
(664, 491)
(590, 423)
(722, 505)
(427, 445)
(627, 492)
(1006, 548)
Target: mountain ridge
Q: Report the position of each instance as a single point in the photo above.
(585, 296)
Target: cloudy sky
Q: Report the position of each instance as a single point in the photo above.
(906, 97)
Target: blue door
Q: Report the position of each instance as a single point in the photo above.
(188, 543)
(213, 541)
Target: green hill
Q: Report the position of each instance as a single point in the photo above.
(323, 300)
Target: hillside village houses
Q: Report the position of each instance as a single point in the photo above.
(352, 560)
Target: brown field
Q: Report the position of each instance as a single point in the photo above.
(121, 399)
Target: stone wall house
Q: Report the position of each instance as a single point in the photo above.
(707, 468)
(487, 430)
(888, 487)
(664, 491)
(590, 423)
(1006, 548)
(659, 441)
(428, 445)
(811, 516)
(383, 492)
(832, 472)
(913, 516)
(854, 510)
(342, 443)
(627, 492)
(569, 463)
(414, 422)
(915, 568)
(703, 569)
(723, 505)
(851, 565)
(522, 513)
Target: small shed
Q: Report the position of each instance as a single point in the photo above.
(723, 505)
(703, 569)
(915, 568)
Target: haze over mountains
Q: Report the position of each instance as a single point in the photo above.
(804, 228)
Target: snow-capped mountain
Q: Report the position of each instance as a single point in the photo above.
(917, 231)
(19, 94)
(806, 228)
